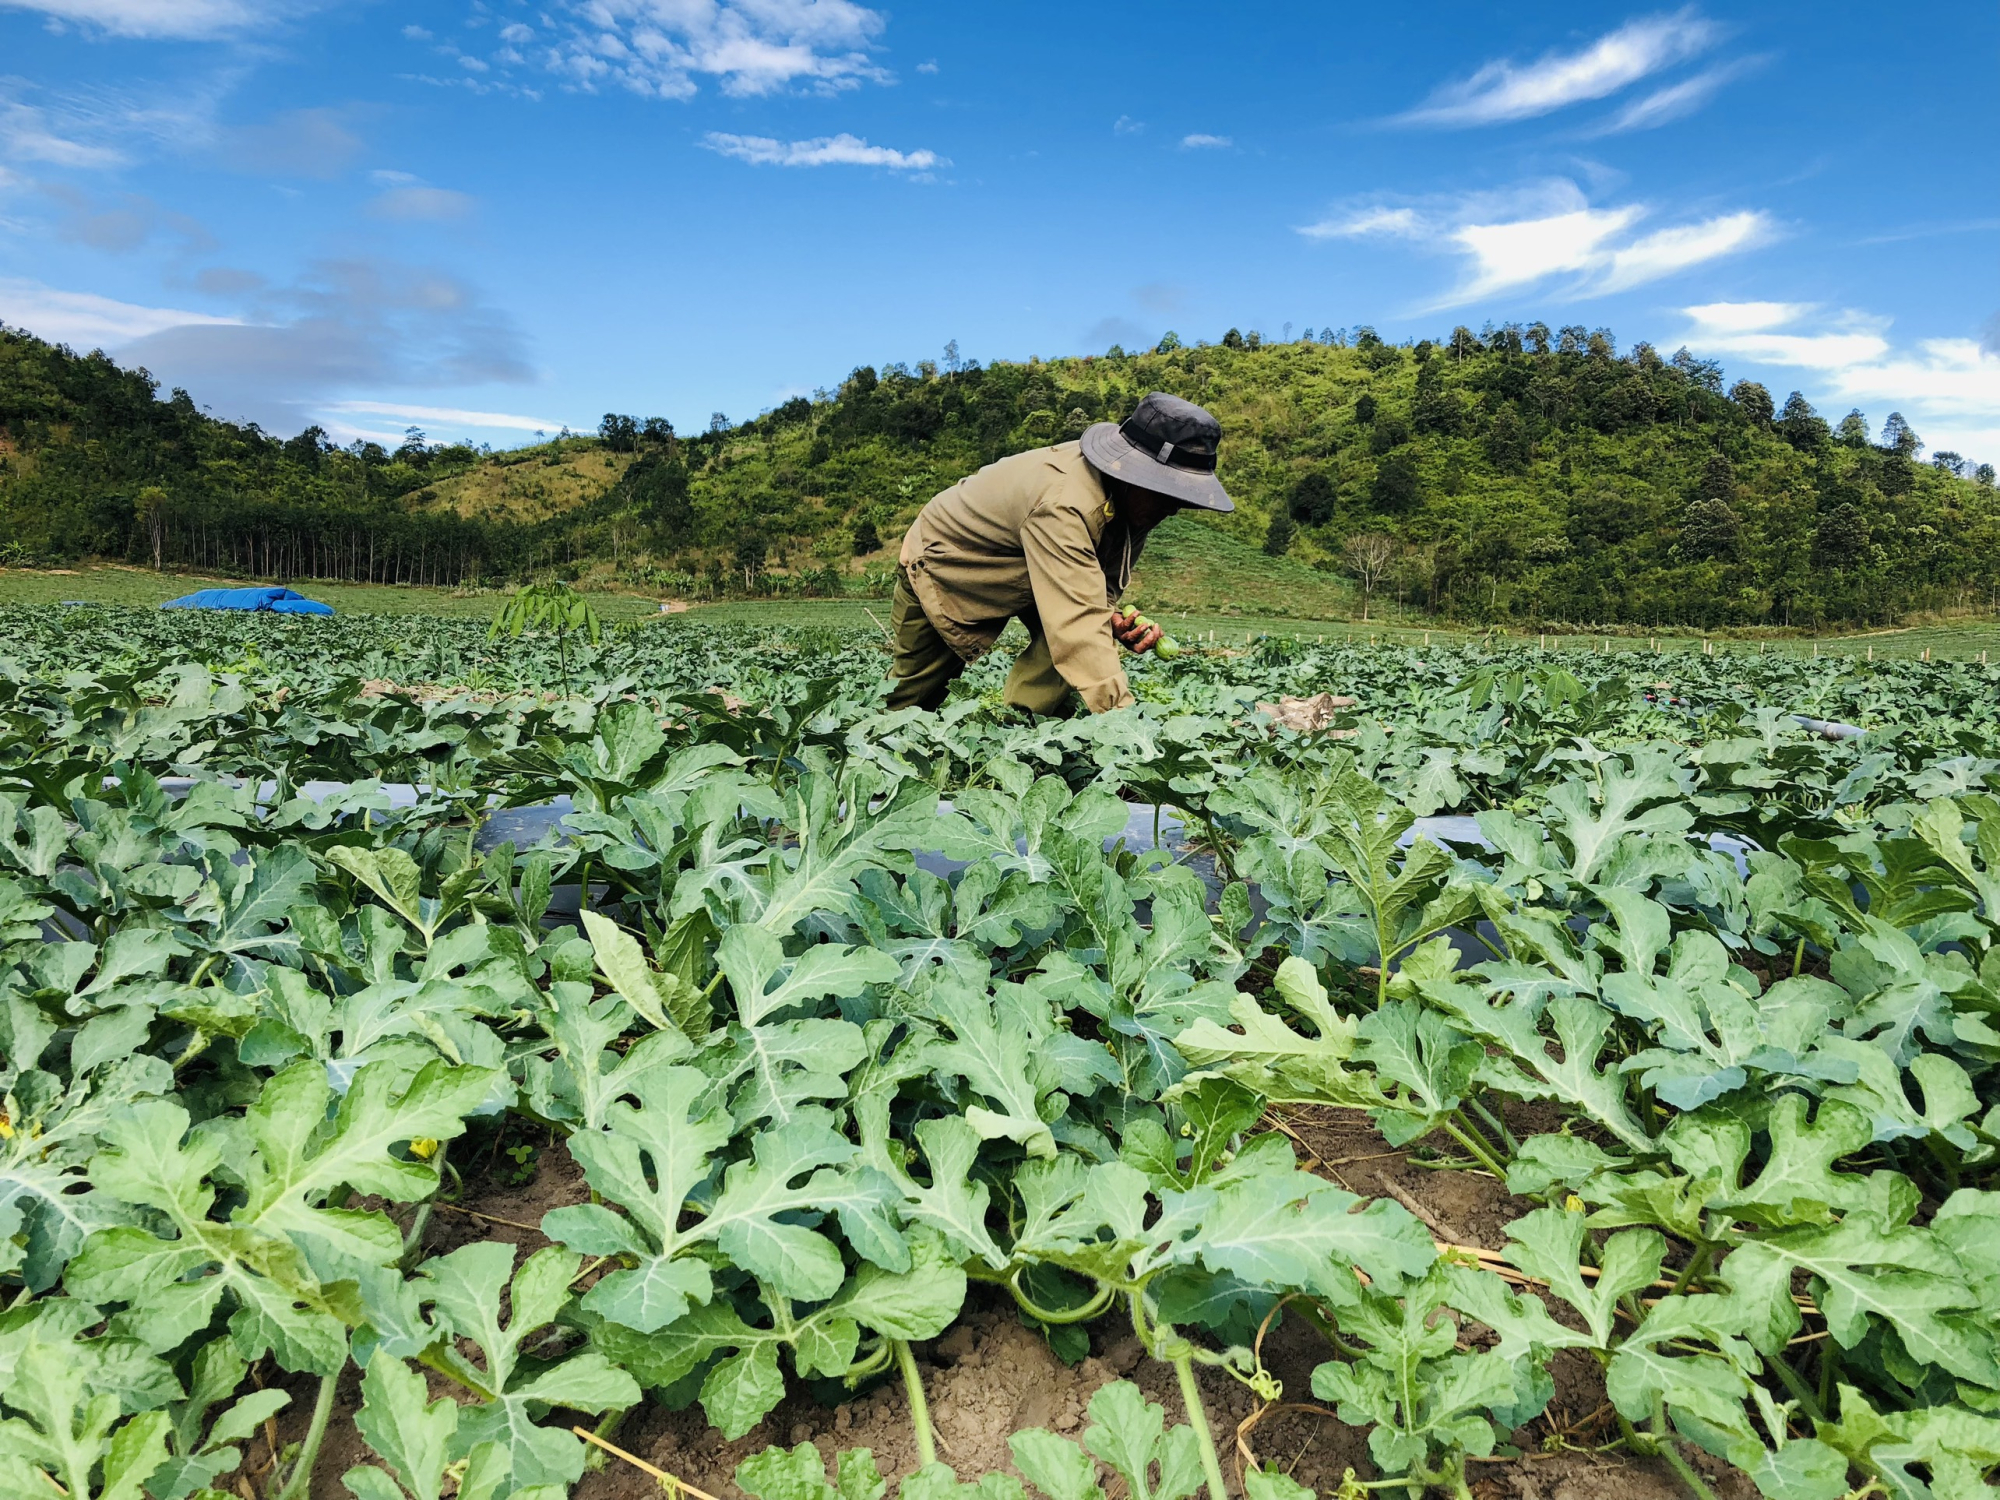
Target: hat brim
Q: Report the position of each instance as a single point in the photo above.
(1115, 454)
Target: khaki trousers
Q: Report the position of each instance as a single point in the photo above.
(925, 666)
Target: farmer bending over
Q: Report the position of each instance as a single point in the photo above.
(1048, 537)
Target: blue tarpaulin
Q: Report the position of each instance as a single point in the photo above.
(273, 601)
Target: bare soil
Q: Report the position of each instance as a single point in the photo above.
(991, 1376)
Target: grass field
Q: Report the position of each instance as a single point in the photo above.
(1201, 569)
(146, 589)
(531, 485)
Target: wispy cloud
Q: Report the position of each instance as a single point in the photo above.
(86, 320)
(452, 415)
(1677, 100)
(1949, 388)
(1545, 231)
(1126, 125)
(841, 150)
(1667, 252)
(166, 19)
(1930, 231)
(1199, 142)
(1505, 90)
(1366, 221)
(1736, 318)
(29, 134)
(750, 47)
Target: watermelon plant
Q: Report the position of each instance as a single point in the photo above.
(855, 1024)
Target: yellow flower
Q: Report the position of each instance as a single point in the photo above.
(423, 1148)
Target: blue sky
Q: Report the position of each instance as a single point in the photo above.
(485, 217)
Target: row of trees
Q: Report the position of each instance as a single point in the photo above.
(93, 462)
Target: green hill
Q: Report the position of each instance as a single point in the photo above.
(1516, 475)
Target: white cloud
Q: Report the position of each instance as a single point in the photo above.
(101, 126)
(1676, 100)
(1199, 142)
(1547, 230)
(172, 19)
(27, 134)
(1366, 221)
(1126, 125)
(452, 415)
(660, 47)
(928, 67)
(344, 432)
(1505, 90)
(475, 85)
(841, 150)
(1525, 251)
(1747, 317)
(421, 205)
(85, 320)
(1948, 388)
(1768, 332)
(1667, 252)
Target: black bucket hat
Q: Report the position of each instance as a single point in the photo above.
(1167, 446)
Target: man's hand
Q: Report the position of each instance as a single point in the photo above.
(1134, 631)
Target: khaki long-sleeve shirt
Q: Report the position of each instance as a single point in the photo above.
(1032, 535)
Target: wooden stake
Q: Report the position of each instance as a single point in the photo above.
(667, 1481)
